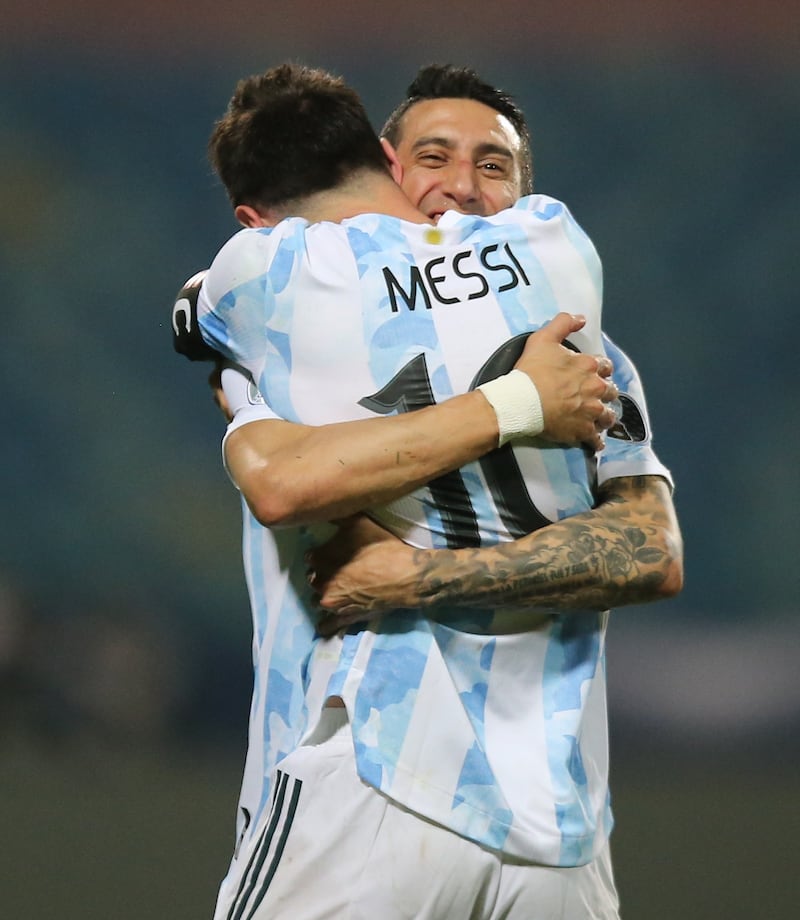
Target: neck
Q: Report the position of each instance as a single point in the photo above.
(367, 193)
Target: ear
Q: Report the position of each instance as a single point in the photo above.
(250, 217)
(395, 166)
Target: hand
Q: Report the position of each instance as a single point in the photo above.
(574, 388)
(363, 570)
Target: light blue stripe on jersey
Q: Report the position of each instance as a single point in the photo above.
(573, 656)
(282, 624)
(469, 662)
(386, 696)
(278, 314)
(569, 468)
(492, 822)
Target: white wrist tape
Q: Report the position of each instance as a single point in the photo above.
(516, 404)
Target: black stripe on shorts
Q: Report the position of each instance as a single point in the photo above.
(281, 816)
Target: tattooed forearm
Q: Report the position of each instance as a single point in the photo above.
(626, 551)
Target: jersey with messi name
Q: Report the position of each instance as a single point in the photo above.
(489, 722)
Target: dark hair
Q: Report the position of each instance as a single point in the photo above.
(290, 132)
(444, 81)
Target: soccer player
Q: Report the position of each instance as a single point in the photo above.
(440, 767)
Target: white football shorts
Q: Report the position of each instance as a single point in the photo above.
(333, 848)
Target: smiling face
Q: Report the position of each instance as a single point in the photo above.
(459, 154)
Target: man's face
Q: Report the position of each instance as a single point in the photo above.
(458, 154)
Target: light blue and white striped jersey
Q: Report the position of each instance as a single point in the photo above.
(489, 722)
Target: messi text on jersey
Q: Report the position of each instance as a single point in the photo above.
(442, 280)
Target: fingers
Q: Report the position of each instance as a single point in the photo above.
(604, 366)
(602, 411)
(607, 418)
(598, 369)
(562, 325)
(606, 414)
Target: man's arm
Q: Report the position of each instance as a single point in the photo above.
(293, 474)
(628, 550)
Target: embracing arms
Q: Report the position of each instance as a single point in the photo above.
(628, 550)
(294, 474)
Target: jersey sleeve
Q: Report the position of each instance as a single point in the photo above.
(629, 448)
(240, 276)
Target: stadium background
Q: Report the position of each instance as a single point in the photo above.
(672, 131)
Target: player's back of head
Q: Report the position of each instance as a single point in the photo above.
(445, 81)
(291, 132)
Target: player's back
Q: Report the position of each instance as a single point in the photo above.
(378, 315)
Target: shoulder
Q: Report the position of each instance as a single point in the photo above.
(250, 253)
(542, 214)
(534, 209)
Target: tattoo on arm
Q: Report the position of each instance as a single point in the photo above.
(623, 552)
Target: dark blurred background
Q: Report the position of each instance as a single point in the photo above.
(673, 131)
